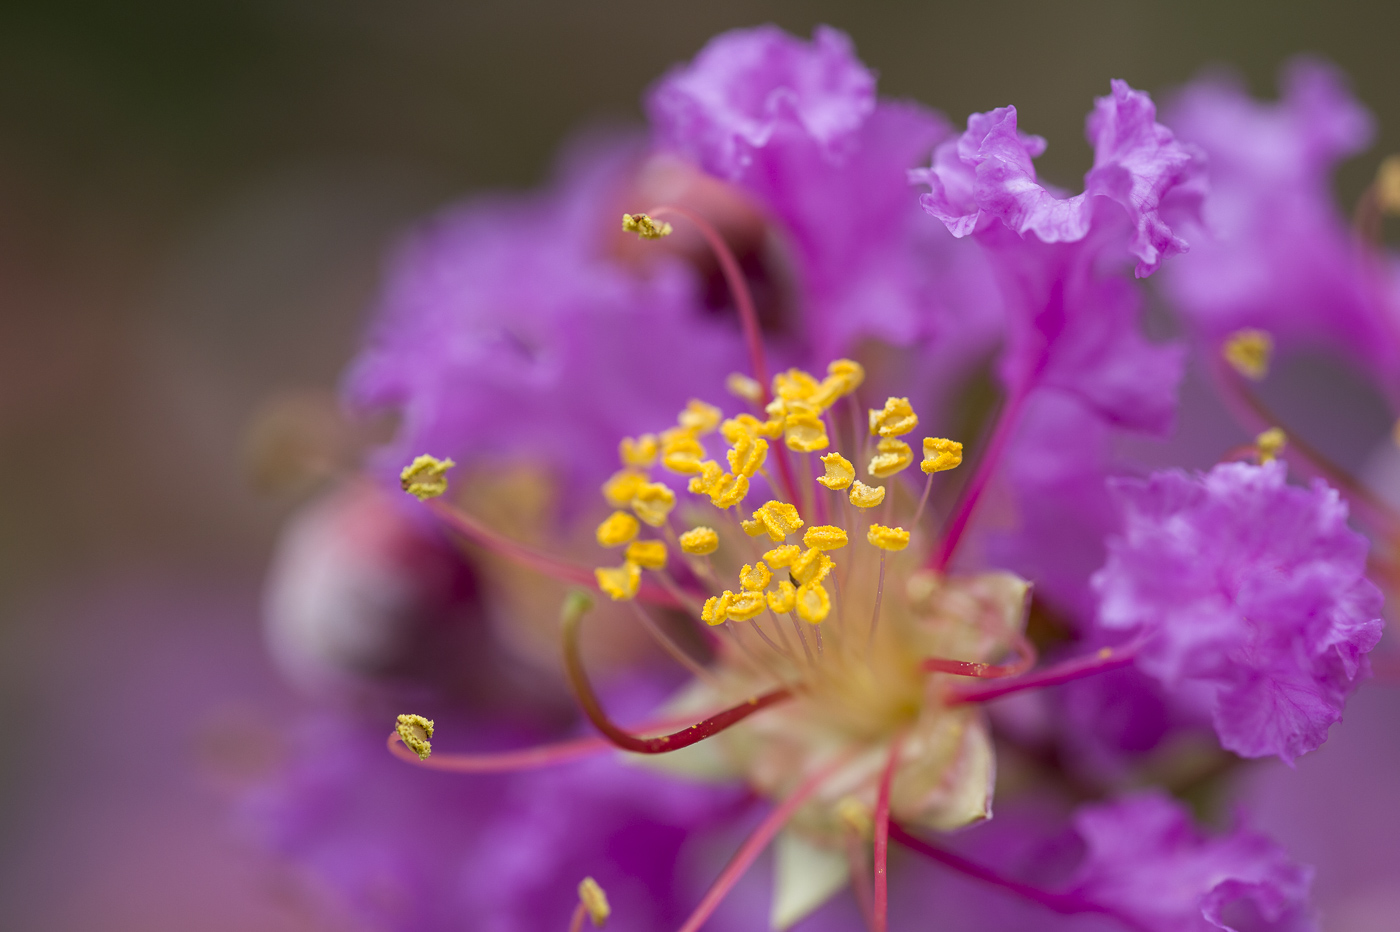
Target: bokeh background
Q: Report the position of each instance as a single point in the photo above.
(195, 199)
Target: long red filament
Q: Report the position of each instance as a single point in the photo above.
(1065, 904)
(753, 846)
(662, 744)
(1101, 661)
(881, 909)
(527, 556)
(738, 287)
(547, 755)
(748, 318)
(576, 921)
(986, 468)
(1025, 659)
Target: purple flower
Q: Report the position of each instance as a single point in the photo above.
(1276, 253)
(796, 127)
(500, 312)
(1251, 593)
(1146, 861)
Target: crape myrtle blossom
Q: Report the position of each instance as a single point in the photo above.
(858, 731)
(1249, 589)
(842, 636)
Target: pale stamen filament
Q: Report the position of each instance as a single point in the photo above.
(806, 648)
(875, 616)
(785, 654)
(671, 647)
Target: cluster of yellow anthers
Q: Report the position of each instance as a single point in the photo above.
(797, 414)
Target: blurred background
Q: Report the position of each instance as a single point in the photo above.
(195, 199)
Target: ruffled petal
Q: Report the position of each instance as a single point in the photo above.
(987, 175)
(1248, 586)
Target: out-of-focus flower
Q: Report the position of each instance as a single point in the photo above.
(509, 332)
(1275, 253)
(1250, 589)
(1147, 861)
(421, 855)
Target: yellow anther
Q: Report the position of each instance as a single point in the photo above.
(892, 456)
(940, 454)
(825, 537)
(595, 901)
(811, 567)
(682, 453)
(735, 427)
(648, 554)
(425, 477)
(700, 541)
(748, 455)
(639, 452)
(1248, 352)
(700, 417)
(741, 386)
(716, 609)
(644, 226)
(849, 372)
(748, 424)
(888, 538)
(653, 502)
(617, 529)
(756, 577)
(1388, 184)
(414, 731)
(1270, 444)
(813, 604)
(729, 490)
(839, 472)
(779, 519)
(856, 815)
(710, 474)
(805, 432)
(794, 385)
(783, 556)
(896, 418)
(620, 582)
(752, 528)
(745, 604)
(622, 487)
(784, 598)
(866, 496)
